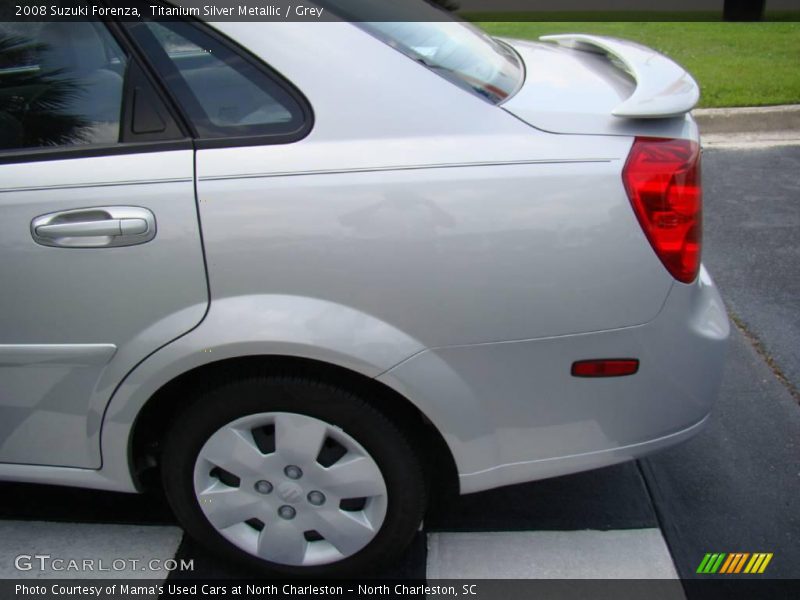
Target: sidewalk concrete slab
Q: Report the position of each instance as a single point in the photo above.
(626, 554)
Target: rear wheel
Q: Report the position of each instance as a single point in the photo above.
(295, 476)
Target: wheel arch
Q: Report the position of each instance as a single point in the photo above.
(176, 395)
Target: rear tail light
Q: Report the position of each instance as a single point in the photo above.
(662, 178)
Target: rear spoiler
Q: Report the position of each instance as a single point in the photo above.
(663, 88)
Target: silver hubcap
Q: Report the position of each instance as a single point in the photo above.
(290, 489)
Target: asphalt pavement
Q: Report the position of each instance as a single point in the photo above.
(736, 486)
(752, 244)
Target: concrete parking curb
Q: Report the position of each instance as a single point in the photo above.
(748, 120)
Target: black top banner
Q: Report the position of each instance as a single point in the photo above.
(400, 10)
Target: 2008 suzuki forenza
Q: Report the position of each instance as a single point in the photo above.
(304, 274)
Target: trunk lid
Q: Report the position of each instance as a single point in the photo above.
(584, 84)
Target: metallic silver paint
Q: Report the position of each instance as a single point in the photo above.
(419, 250)
(520, 411)
(83, 355)
(418, 235)
(135, 298)
(663, 88)
(568, 91)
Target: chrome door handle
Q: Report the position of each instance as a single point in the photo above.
(93, 228)
(97, 227)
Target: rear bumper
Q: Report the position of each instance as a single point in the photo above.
(509, 474)
(511, 411)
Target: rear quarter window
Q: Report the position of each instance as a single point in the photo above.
(223, 93)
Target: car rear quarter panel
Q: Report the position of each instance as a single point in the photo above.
(449, 256)
(423, 206)
(413, 216)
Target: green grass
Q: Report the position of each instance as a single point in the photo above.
(617, 16)
(736, 64)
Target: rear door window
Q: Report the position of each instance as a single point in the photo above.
(61, 84)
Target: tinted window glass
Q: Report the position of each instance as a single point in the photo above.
(458, 51)
(60, 85)
(223, 94)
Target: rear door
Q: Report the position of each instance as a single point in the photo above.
(102, 261)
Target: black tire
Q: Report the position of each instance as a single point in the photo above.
(389, 448)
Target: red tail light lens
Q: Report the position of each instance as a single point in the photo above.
(662, 178)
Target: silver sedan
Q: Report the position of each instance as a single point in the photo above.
(310, 277)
